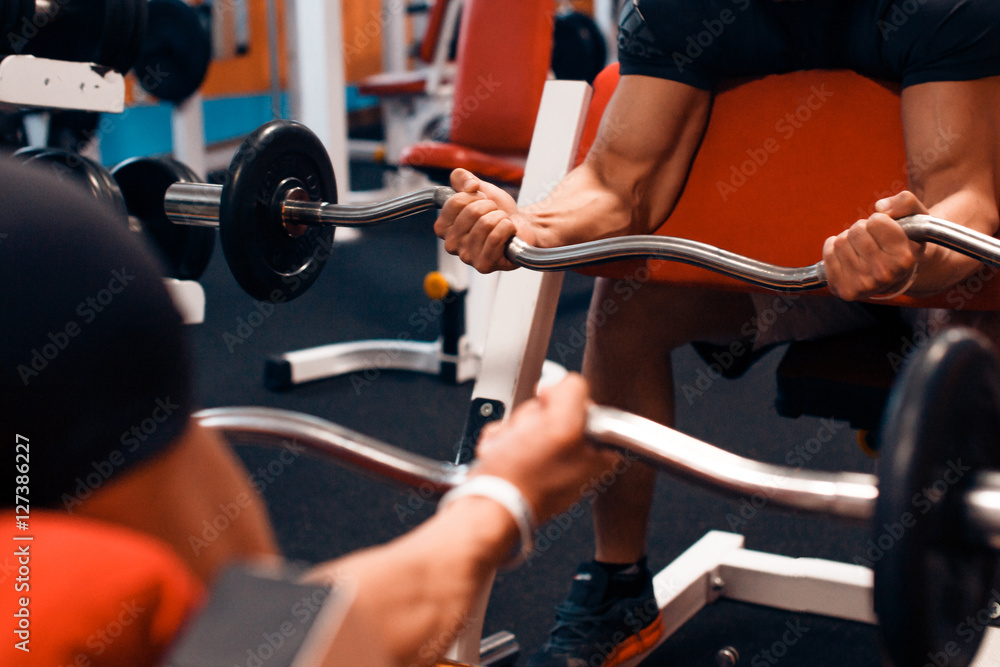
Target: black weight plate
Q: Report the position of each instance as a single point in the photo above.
(15, 20)
(105, 32)
(578, 48)
(942, 425)
(268, 262)
(112, 41)
(132, 40)
(175, 53)
(185, 250)
(13, 135)
(74, 168)
(72, 130)
(125, 28)
(28, 152)
(115, 17)
(74, 32)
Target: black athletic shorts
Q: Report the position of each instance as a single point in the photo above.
(699, 42)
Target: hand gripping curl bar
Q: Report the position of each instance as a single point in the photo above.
(941, 434)
(277, 213)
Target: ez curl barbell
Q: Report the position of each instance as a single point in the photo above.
(278, 210)
(934, 509)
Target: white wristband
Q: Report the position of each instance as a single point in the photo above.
(899, 292)
(509, 496)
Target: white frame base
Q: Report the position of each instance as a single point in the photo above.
(189, 299)
(718, 566)
(327, 361)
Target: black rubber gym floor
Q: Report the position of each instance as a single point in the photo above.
(372, 288)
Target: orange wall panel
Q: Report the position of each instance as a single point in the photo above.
(363, 37)
(250, 72)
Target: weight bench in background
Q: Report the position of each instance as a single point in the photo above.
(769, 188)
(493, 117)
(412, 100)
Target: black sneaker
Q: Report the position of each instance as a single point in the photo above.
(591, 631)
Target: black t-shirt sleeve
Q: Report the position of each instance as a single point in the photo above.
(641, 52)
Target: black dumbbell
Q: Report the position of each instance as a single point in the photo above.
(106, 32)
(143, 182)
(176, 51)
(134, 193)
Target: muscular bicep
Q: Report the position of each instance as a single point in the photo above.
(952, 132)
(649, 134)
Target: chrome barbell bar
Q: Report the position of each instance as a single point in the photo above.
(198, 204)
(843, 495)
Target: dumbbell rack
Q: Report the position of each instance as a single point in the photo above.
(27, 81)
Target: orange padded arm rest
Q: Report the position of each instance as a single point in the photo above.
(786, 161)
(504, 53)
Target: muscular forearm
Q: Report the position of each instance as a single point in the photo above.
(582, 207)
(941, 268)
(415, 592)
(636, 168)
